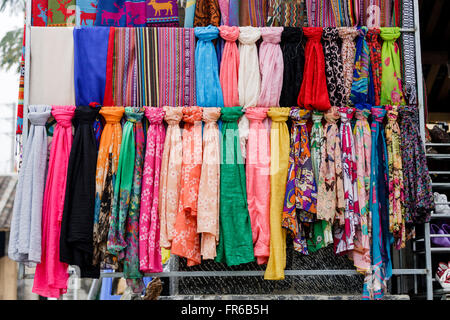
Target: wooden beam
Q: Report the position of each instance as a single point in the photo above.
(434, 17)
(431, 77)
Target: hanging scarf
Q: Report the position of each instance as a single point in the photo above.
(408, 52)
(107, 164)
(235, 237)
(25, 234)
(207, 12)
(149, 228)
(391, 76)
(90, 51)
(313, 92)
(162, 14)
(360, 84)
(170, 177)
(50, 278)
(76, 239)
(39, 13)
(86, 12)
(396, 195)
(333, 66)
(271, 67)
(301, 191)
(293, 59)
(224, 12)
(121, 13)
(417, 182)
(229, 66)
(258, 182)
(279, 165)
(347, 36)
(209, 188)
(363, 144)
(61, 13)
(186, 242)
(253, 13)
(375, 62)
(381, 269)
(293, 13)
(233, 11)
(330, 196)
(189, 13)
(209, 92)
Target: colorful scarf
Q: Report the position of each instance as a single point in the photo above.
(253, 13)
(330, 195)
(170, 177)
(61, 13)
(293, 59)
(186, 241)
(149, 229)
(279, 165)
(107, 166)
(408, 52)
(50, 278)
(224, 12)
(207, 12)
(313, 92)
(39, 13)
(121, 13)
(162, 14)
(229, 66)
(258, 182)
(209, 92)
(233, 12)
(25, 234)
(77, 224)
(86, 12)
(90, 52)
(292, 13)
(360, 84)
(347, 36)
(209, 188)
(271, 67)
(375, 62)
(391, 76)
(333, 66)
(235, 237)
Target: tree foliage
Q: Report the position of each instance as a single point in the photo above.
(11, 43)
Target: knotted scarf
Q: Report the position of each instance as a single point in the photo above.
(381, 268)
(301, 191)
(207, 12)
(279, 164)
(50, 278)
(186, 241)
(235, 237)
(76, 240)
(229, 66)
(26, 223)
(209, 92)
(258, 182)
(271, 67)
(107, 165)
(209, 188)
(293, 59)
(346, 231)
(149, 228)
(333, 66)
(375, 61)
(170, 177)
(391, 75)
(360, 84)
(330, 196)
(347, 35)
(313, 92)
(396, 195)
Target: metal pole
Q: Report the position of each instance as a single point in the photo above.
(429, 281)
(420, 101)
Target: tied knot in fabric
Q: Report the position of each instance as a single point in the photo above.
(346, 113)
(362, 31)
(211, 115)
(317, 116)
(208, 33)
(279, 114)
(292, 34)
(362, 111)
(313, 33)
(192, 114)
(228, 33)
(134, 114)
(231, 114)
(332, 115)
(392, 113)
(299, 116)
(86, 114)
(173, 115)
(63, 115)
(348, 33)
(249, 35)
(112, 114)
(372, 35)
(271, 34)
(154, 115)
(256, 114)
(330, 34)
(390, 34)
(378, 114)
(39, 115)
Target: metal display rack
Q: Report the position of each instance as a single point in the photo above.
(173, 263)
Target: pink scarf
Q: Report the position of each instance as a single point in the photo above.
(258, 182)
(51, 275)
(229, 66)
(149, 230)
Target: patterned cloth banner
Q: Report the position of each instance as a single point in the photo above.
(61, 13)
(86, 12)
